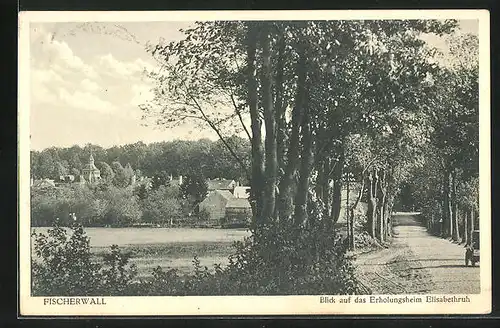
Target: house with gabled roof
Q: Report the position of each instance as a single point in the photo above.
(43, 184)
(221, 184)
(215, 204)
(228, 208)
(238, 212)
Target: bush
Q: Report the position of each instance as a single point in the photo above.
(122, 207)
(62, 265)
(94, 205)
(162, 205)
(46, 205)
(275, 260)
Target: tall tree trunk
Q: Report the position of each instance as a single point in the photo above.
(326, 188)
(305, 169)
(444, 215)
(383, 192)
(271, 163)
(337, 191)
(390, 205)
(348, 190)
(386, 219)
(285, 195)
(465, 239)
(279, 105)
(449, 207)
(455, 233)
(256, 182)
(323, 188)
(472, 224)
(372, 203)
(351, 212)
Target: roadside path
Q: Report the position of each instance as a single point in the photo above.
(417, 263)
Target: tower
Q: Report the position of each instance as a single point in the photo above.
(91, 172)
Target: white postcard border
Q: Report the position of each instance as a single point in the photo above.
(248, 305)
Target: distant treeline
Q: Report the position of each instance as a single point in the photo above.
(203, 157)
(109, 205)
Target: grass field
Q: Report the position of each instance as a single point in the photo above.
(166, 247)
(177, 247)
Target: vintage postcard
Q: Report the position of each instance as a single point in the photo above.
(254, 163)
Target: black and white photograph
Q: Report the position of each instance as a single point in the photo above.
(211, 163)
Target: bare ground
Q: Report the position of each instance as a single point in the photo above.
(417, 263)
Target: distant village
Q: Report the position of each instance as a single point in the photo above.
(226, 202)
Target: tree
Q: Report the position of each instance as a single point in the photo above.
(107, 174)
(454, 139)
(75, 172)
(162, 178)
(45, 165)
(162, 205)
(371, 57)
(59, 170)
(121, 177)
(194, 190)
(129, 173)
(122, 207)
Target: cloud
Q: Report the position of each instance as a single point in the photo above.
(45, 76)
(100, 83)
(141, 94)
(86, 101)
(90, 85)
(43, 95)
(115, 67)
(52, 51)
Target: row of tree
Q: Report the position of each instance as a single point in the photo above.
(325, 104)
(179, 157)
(109, 205)
(446, 187)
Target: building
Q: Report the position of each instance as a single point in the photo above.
(90, 172)
(67, 178)
(43, 184)
(228, 208)
(221, 184)
(215, 204)
(175, 181)
(241, 192)
(238, 212)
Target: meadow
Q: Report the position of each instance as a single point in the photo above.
(166, 247)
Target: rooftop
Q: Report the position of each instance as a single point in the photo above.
(238, 203)
(225, 193)
(221, 184)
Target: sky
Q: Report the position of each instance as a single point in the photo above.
(87, 80)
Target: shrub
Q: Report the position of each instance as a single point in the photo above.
(62, 265)
(275, 260)
(162, 205)
(122, 206)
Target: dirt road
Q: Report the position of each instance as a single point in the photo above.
(417, 263)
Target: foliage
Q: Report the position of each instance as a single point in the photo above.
(122, 207)
(194, 190)
(280, 264)
(107, 174)
(162, 205)
(47, 205)
(211, 158)
(62, 265)
(122, 176)
(327, 102)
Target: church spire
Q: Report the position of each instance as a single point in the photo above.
(91, 160)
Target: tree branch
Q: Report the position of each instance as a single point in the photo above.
(219, 134)
(241, 118)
